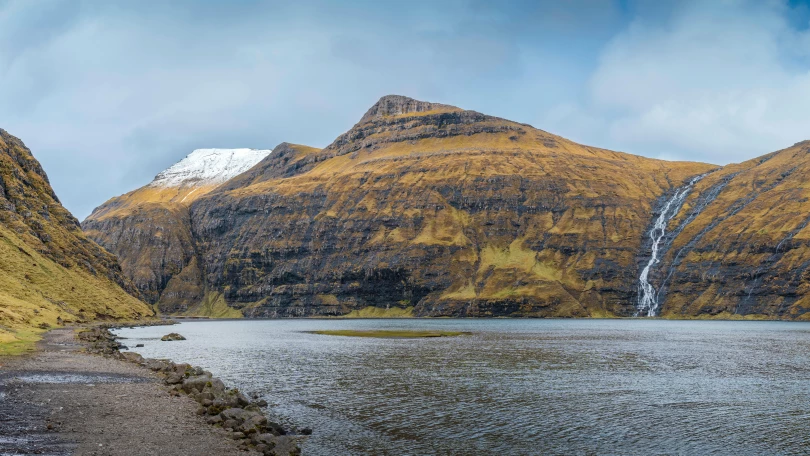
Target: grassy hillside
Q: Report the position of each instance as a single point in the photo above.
(748, 252)
(36, 293)
(419, 209)
(437, 210)
(50, 273)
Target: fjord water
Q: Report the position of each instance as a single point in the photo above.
(517, 387)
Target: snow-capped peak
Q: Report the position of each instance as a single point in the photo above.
(209, 167)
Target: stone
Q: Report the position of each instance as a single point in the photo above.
(230, 424)
(236, 414)
(231, 398)
(216, 388)
(154, 364)
(173, 379)
(133, 357)
(241, 400)
(266, 438)
(253, 423)
(182, 368)
(197, 383)
(215, 409)
(275, 428)
(286, 446)
(172, 337)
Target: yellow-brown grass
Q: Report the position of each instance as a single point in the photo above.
(389, 334)
(35, 293)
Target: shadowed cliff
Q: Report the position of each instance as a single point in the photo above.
(420, 208)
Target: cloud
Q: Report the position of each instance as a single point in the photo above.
(107, 93)
(717, 81)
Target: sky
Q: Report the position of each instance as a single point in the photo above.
(109, 93)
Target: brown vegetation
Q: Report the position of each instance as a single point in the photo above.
(50, 272)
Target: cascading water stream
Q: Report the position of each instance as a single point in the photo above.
(647, 296)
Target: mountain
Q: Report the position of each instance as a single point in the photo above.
(208, 168)
(50, 272)
(419, 209)
(149, 229)
(746, 247)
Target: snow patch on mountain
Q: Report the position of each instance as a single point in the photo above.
(209, 167)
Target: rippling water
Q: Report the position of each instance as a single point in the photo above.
(518, 387)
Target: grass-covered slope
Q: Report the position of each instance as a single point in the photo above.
(49, 271)
(428, 209)
(149, 230)
(419, 209)
(37, 293)
(747, 253)
(436, 210)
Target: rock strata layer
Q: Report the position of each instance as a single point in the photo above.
(744, 249)
(423, 209)
(419, 209)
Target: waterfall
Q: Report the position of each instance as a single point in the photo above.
(647, 296)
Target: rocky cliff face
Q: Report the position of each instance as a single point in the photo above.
(149, 229)
(746, 251)
(48, 268)
(420, 208)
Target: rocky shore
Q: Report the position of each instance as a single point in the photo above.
(79, 394)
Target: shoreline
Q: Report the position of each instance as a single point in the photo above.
(695, 319)
(78, 394)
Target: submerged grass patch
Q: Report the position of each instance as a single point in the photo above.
(389, 334)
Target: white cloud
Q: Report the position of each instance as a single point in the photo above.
(107, 94)
(717, 82)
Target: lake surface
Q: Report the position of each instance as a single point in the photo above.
(517, 387)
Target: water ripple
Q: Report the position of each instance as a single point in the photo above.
(519, 387)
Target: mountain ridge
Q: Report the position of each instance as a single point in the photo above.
(419, 206)
(205, 167)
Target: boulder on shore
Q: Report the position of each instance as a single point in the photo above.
(227, 408)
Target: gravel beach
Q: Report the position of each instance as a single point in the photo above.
(60, 400)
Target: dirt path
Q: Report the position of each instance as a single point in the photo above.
(61, 401)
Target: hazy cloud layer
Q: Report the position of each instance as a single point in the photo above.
(107, 94)
(716, 81)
